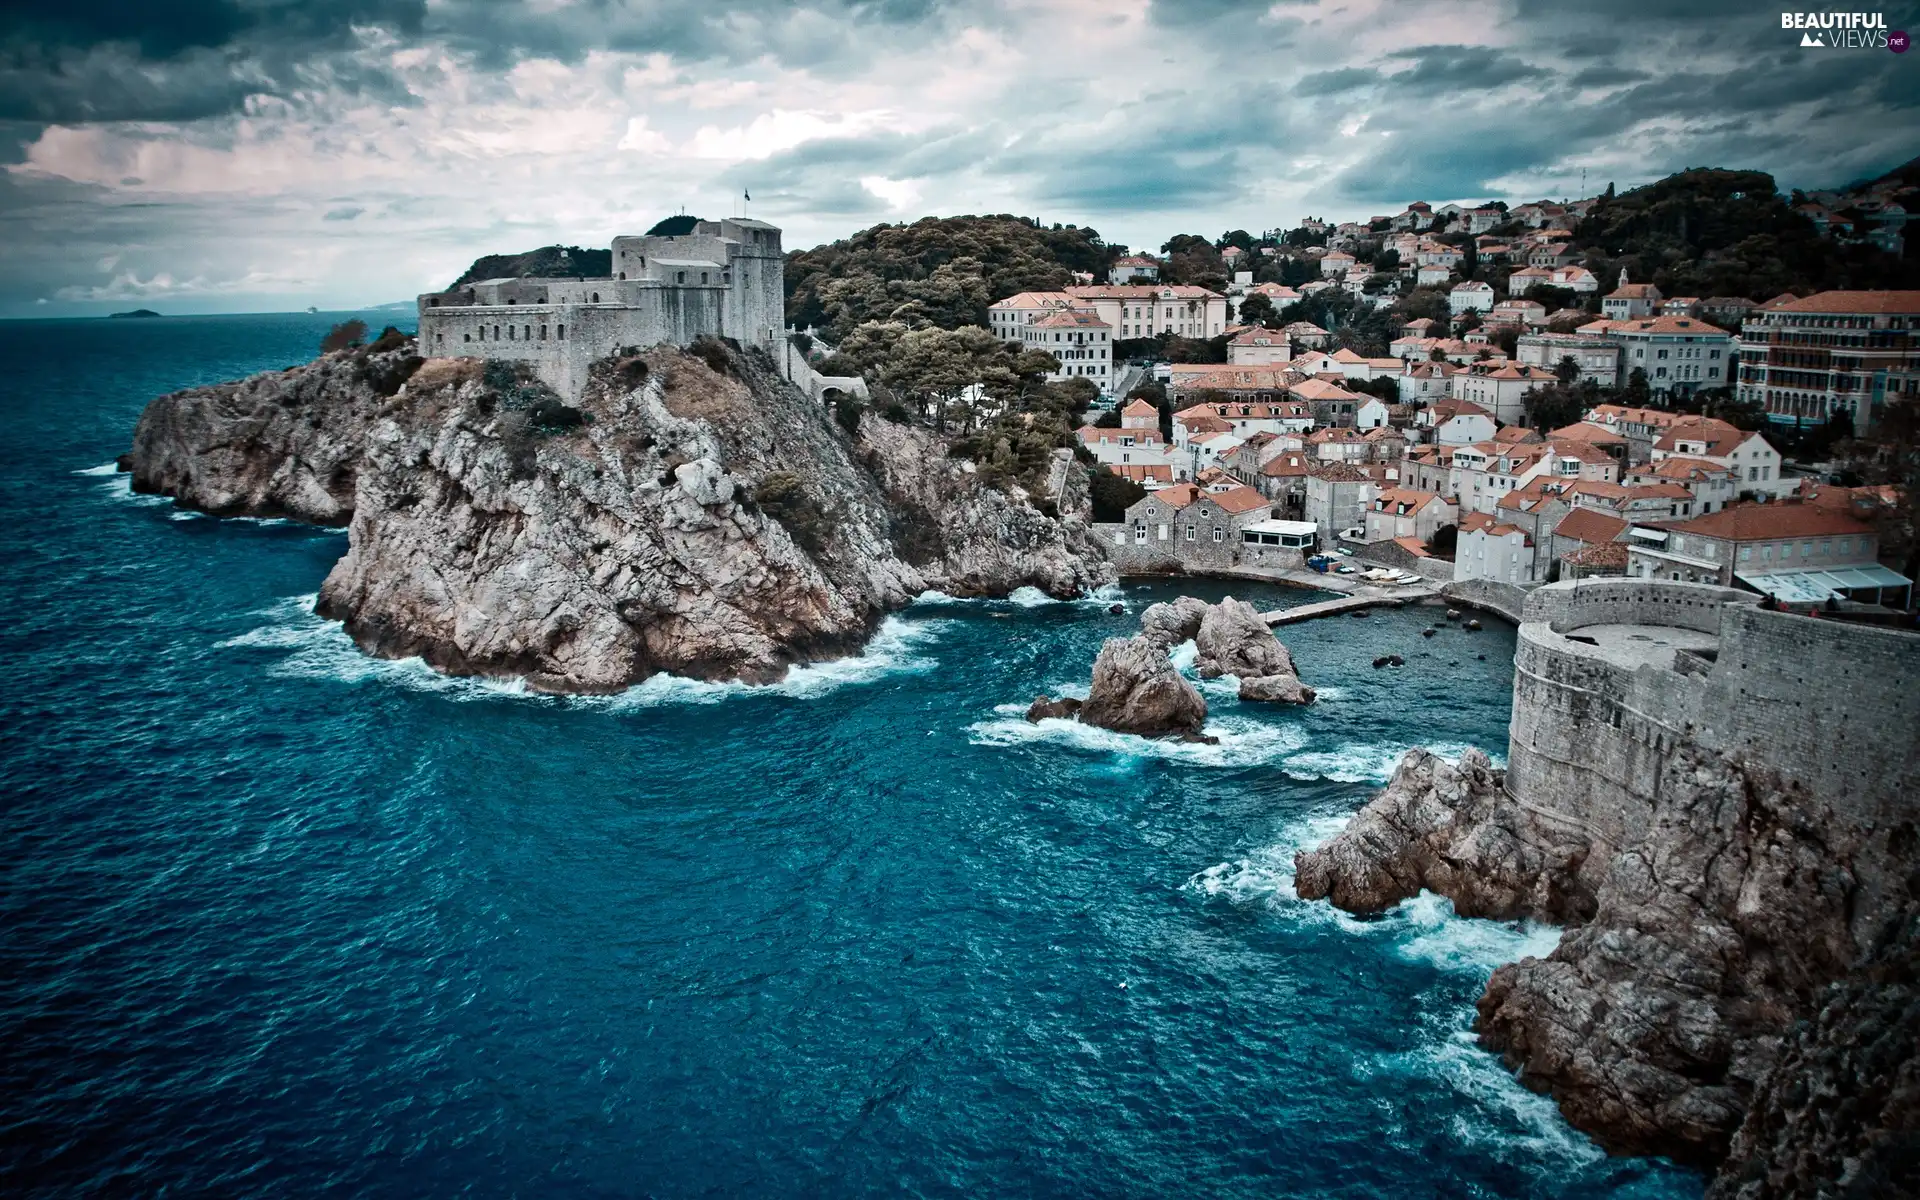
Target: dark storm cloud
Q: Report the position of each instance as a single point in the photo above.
(1458, 68)
(180, 60)
(1332, 83)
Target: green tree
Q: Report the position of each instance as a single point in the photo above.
(348, 333)
(1637, 392)
(1258, 309)
(1113, 495)
(1567, 370)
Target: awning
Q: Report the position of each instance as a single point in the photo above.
(1296, 528)
(1648, 535)
(1814, 586)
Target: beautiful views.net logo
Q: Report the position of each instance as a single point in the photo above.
(1845, 30)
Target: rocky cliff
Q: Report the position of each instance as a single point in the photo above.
(1693, 951)
(693, 514)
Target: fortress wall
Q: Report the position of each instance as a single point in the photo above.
(1568, 606)
(575, 335)
(1832, 706)
(1589, 737)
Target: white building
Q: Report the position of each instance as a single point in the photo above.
(1451, 422)
(1079, 339)
(1257, 347)
(1630, 300)
(1752, 459)
(1134, 268)
(1500, 388)
(1487, 549)
(1472, 296)
(1680, 355)
(1139, 311)
(1597, 357)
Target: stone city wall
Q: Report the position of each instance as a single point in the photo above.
(560, 341)
(1828, 705)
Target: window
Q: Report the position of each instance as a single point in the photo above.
(466, 337)
(510, 333)
(1190, 536)
(496, 333)
(679, 276)
(561, 332)
(543, 333)
(526, 333)
(596, 297)
(1746, 552)
(1139, 531)
(1219, 535)
(703, 277)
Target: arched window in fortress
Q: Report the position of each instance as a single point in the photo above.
(466, 337)
(543, 333)
(496, 333)
(726, 277)
(509, 333)
(623, 275)
(679, 276)
(596, 297)
(703, 277)
(526, 333)
(561, 333)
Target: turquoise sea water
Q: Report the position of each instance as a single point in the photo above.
(282, 920)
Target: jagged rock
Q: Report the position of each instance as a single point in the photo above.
(1839, 1114)
(1233, 640)
(278, 444)
(1654, 1023)
(1043, 707)
(1136, 690)
(1694, 947)
(1473, 626)
(712, 524)
(1276, 689)
(1426, 633)
(1453, 614)
(1450, 828)
(1116, 609)
(1170, 623)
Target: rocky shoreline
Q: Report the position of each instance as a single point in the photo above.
(1738, 984)
(692, 513)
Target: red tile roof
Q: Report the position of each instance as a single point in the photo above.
(1764, 522)
(1849, 303)
(1590, 525)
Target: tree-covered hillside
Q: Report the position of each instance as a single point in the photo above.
(941, 270)
(1726, 233)
(551, 261)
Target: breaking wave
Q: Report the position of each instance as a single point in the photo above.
(1243, 742)
(313, 647)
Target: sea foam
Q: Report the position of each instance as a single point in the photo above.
(316, 648)
(1243, 742)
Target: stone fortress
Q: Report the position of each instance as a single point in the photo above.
(1613, 676)
(724, 278)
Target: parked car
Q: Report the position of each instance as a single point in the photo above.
(1347, 569)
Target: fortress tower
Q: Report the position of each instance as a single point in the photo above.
(724, 278)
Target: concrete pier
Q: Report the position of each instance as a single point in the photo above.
(1361, 598)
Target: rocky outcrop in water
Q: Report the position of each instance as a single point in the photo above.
(691, 514)
(1137, 690)
(1172, 622)
(1233, 640)
(1452, 829)
(1694, 949)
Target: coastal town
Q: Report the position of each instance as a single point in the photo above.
(1460, 393)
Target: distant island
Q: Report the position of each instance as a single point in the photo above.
(138, 312)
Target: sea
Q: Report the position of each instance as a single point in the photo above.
(277, 919)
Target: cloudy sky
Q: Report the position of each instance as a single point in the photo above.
(236, 155)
